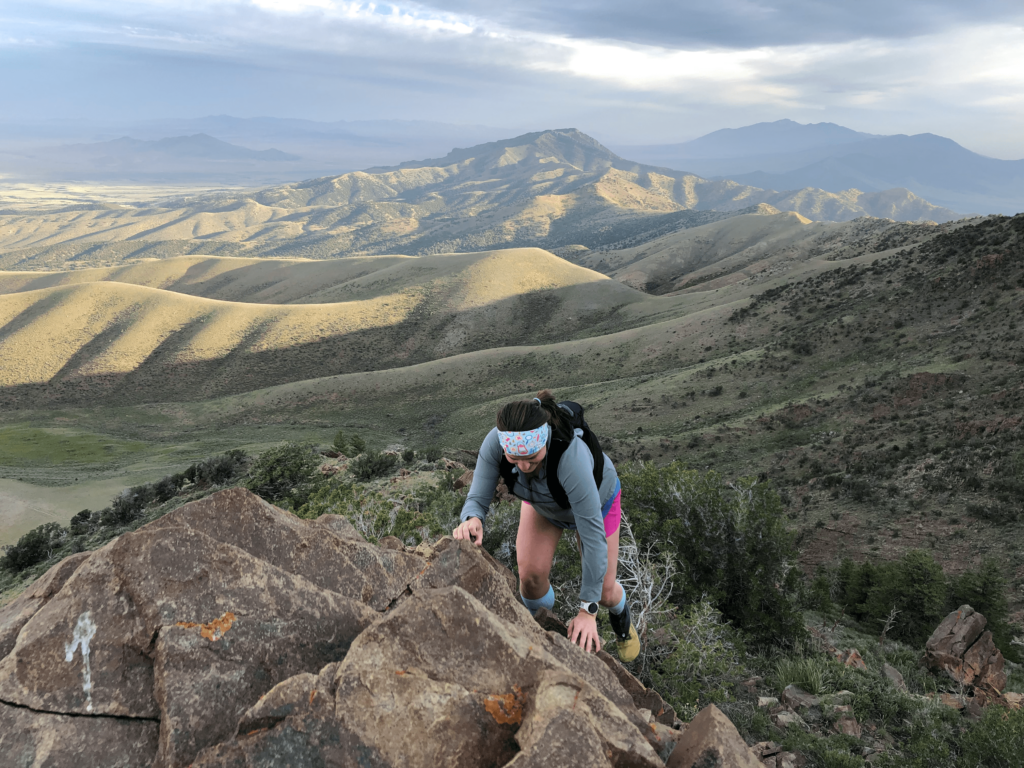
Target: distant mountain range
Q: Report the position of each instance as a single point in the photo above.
(198, 146)
(548, 189)
(788, 155)
(43, 152)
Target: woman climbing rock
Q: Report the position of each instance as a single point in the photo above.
(554, 465)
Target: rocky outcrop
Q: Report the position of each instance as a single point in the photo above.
(962, 649)
(231, 633)
(712, 740)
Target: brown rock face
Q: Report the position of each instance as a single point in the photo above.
(231, 633)
(342, 563)
(711, 739)
(442, 680)
(961, 648)
(16, 614)
(852, 658)
(38, 740)
(175, 625)
(895, 676)
(847, 723)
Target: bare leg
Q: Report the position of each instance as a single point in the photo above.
(536, 542)
(611, 592)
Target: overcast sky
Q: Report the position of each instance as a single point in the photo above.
(625, 72)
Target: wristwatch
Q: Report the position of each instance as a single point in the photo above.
(590, 608)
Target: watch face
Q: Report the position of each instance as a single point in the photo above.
(589, 607)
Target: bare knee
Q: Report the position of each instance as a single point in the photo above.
(532, 584)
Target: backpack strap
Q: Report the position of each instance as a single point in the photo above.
(505, 472)
(558, 493)
(558, 447)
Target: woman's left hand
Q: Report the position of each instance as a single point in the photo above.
(583, 632)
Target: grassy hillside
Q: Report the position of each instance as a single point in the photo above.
(548, 189)
(106, 341)
(880, 393)
(255, 281)
(746, 246)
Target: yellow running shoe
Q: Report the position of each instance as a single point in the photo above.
(629, 648)
(626, 641)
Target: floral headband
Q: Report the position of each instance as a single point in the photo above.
(524, 443)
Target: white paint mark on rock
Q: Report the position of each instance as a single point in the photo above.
(84, 631)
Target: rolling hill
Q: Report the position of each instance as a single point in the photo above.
(92, 337)
(548, 189)
(746, 246)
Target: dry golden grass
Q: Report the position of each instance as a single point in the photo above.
(749, 246)
(658, 265)
(90, 336)
(259, 281)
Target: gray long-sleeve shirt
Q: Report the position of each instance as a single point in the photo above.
(576, 474)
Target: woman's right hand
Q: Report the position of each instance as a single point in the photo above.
(472, 529)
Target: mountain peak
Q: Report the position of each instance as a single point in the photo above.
(568, 145)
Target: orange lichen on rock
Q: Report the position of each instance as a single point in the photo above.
(213, 630)
(506, 708)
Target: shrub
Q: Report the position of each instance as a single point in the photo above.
(168, 487)
(914, 585)
(500, 535)
(815, 674)
(432, 454)
(408, 455)
(376, 513)
(358, 444)
(997, 741)
(367, 466)
(917, 588)
(703, 656)
(81, 523)
(285, 474)
(340, 442)
(128, 505)
(727, 541)
(215, 470)
(34, 547)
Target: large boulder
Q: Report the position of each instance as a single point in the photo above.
(328, 552)
(172, 624)
(962, 649)
(442, 680)
(712, 740)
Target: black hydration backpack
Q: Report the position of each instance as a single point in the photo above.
(555, 451)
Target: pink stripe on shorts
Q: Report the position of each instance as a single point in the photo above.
(614, 515)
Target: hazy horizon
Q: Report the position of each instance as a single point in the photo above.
(653, 73)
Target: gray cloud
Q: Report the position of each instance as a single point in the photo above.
(738, 23)
(529, 65)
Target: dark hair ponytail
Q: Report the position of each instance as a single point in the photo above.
(524, 415)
